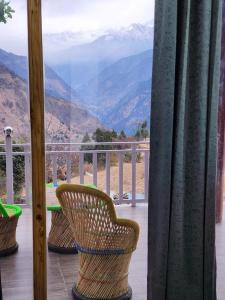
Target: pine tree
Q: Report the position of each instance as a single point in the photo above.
(87, 156)
(5, 11)
(142, 131)
(18, 169)
(122, 135)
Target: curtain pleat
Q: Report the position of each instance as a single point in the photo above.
(185, 91)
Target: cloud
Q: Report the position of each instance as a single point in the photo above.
(92, 14)
(74, 15)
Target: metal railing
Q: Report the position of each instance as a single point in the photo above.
(69, 149)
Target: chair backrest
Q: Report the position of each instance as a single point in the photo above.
(93, 219)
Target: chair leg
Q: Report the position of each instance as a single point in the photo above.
(78, 296)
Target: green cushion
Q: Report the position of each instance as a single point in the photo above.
(10, 210)
(54, 208)
(13, 210)
(3, 211)
(59, 208)
(90, 185)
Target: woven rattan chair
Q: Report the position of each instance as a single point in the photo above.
(105, 243)
(60, 238)
(9, 216)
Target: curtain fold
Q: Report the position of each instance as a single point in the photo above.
(185, 91)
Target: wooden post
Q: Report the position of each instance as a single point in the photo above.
(36, 88)
(221, 132)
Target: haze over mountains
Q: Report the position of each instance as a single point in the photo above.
(64, 120)
(54, 85)
(78, 64)
(108, 77)
(120, 94)
(111, 74)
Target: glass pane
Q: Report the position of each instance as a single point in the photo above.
(15, 166)
(98, 61)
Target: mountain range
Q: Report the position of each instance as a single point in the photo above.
(120, 95)
(54, 85)
(107, 82)
(80, 63)
(64, 120)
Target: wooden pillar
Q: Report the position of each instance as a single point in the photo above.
(36, 87)
(221, 131)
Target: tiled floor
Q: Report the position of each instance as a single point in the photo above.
(16, 270)
(220, 253)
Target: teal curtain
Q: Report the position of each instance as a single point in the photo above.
(185, 92)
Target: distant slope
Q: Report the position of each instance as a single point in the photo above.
(54, 85)
(64, 120)
(132, 109)
(120, 94)
(80, 63)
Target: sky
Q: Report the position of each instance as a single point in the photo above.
(74, 15)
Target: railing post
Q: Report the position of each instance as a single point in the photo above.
(9, 164)
(68, 168)
(120, 177)
(107, 166)
(27, 174)
(54, 169)
(95, 168)
(81, 167)
(133, 162)
(146, 162)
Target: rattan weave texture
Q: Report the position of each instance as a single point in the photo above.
(8, 244)
(60, 237)
(105, 243)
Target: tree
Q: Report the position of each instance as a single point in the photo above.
(138, 134)
(122, 135)
(142, 131)
(87, 156)
(102, 136)
(18, 169)
(5, 11)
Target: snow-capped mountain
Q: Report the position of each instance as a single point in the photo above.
(67, 39)
(134, 31)
(56, 42)
(78, 64)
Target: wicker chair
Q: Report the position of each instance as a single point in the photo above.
(105, 243)
(9, 216)
(60, 239)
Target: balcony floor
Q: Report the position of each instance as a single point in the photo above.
(16, 270)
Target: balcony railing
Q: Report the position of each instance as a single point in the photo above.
(68, 150)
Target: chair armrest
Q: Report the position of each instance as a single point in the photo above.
(126, 234)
